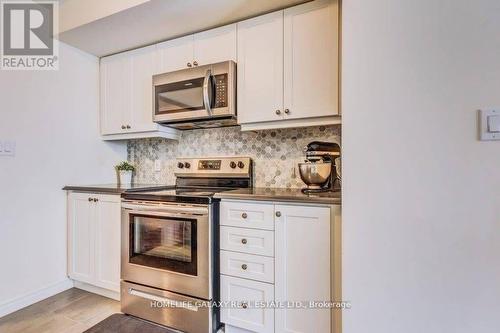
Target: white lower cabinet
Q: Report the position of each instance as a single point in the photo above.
(94, 239)
(246, 296)
(298, 268)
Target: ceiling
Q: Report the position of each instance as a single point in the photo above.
(158, 20)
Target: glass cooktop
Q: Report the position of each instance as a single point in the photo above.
(177, 194)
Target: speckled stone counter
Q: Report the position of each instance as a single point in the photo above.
(282, 195)
(114, 188)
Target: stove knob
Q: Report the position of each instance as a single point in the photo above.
(241, 165)
(187, 165)
(232, 165)
(180, 165)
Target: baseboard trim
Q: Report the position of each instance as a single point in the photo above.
(34, 297)
(97, 290)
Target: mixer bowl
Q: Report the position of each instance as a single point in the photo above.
(315, 174)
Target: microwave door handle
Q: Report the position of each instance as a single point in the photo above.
(206, 96)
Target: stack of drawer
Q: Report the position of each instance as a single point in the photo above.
(247, 265)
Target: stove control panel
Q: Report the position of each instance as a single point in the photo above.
(214, 167)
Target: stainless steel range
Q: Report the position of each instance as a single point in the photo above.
(170, 247)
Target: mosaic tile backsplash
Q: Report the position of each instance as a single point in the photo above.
(275, 153)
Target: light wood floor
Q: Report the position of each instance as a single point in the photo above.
(72, 311)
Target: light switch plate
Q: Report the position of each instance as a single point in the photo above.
(157, 165)
(489, 124)
(7, 148)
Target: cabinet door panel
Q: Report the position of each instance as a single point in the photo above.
(215, 45)
(142, 67)
(115, 93)
(242, 291)
(108, 215)
(303, 267)
(260, 68)
(311, 59)
(81, 228)
(174, 54)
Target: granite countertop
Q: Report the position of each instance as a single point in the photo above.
(281, 194)
(114, 188)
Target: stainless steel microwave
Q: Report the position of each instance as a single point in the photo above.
(199, 97)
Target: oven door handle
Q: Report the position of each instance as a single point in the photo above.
(206, 92)
(165, 210)
(164, 300)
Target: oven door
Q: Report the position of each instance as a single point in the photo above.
(166, 246)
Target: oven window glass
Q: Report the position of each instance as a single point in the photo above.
(180, 96)
(164, 243)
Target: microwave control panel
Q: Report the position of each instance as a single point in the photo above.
(220, 91)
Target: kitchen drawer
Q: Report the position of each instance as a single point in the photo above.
(247, 266)
(242, 312)
(247, 215)
(260, 242)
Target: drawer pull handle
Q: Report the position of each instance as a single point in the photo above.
(90, 199)
(244, 267)
(278, 214)
(244, 241)
(244, 305)
(244, 215)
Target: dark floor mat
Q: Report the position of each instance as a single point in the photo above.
(120, 323)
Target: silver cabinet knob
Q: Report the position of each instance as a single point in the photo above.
(244, 241)
(195, 63)
(244, 215)
(244, 267)
(124, 127)
(244, 305)
(278, 112)
(287, 111)
(128, 127)
(189, 64)
(95, 199)
(278, 214)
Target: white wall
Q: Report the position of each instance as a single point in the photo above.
(421, 193)
(53, 116)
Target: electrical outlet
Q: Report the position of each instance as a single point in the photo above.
(7, 148)
(157, 165)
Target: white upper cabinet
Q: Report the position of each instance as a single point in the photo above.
(141, 105)
(288, 67)
(303, 267)
(127, 96)
(174, 55)
(260, 68)
(311, 60)
(215, 45)
(115, 89)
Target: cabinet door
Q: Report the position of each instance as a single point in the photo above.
(141, 104)
(303, 267)
(115, 93)
(260, 68)
(174, 54)
(215, 45)
(81, 229)
(311, 59)
(107, 242)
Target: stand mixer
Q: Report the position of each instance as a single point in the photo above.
(319, 171)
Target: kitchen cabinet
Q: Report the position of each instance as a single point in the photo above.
(302, 263)
(203, 48)
(260, 69)
(215, 45)
(126, 96)
(288, 67)
(174, 55)
(94, 239)
(311, 60)
(303, 267)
